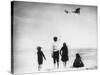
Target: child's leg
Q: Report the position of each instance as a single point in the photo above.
(65, 63)
(58, 59)
(39, 67)
(57, 64)
(54, 61)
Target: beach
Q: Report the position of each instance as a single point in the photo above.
(26, 61)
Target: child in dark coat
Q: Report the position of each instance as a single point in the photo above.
(78, 62)
(40, 57)
(64, 54)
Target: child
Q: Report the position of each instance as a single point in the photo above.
(64, 54)
(78, 62)
(40, 57)
(55, 53)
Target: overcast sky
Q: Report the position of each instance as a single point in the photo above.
(36, 24)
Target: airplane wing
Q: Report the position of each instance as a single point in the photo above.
(66, 11)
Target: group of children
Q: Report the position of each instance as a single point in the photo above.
(55, 55)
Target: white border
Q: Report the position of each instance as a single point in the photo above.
(5, 35)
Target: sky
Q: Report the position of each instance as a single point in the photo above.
(37, 23)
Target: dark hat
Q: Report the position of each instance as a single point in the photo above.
(55, 38)
(39, 48)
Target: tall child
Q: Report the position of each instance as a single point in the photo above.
(55, 53)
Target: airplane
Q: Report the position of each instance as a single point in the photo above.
(66, 11)
(77, 11)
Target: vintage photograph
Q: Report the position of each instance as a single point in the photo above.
(52, 37)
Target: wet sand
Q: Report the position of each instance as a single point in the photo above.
(26, 61)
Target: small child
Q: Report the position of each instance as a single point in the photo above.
(78, 62)
(40, 56)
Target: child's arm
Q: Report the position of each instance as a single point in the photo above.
(61, 51)
(52, 50)
(44, 56)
